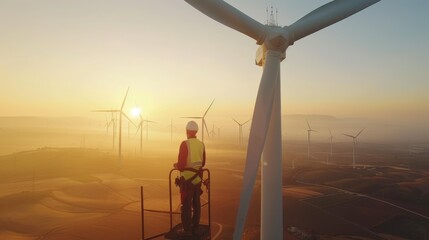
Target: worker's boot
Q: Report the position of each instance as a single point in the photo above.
(184, 233)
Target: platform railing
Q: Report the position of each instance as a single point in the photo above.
(206, 182)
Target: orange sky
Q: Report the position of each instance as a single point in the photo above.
(68, 58)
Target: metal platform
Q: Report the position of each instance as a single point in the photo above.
(203, 233)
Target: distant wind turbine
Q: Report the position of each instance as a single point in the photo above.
(240, 131)
(139, 126)
(265, 133)
(218, 131)
(354, 144)
(203, 122)
(171, 130)
(121, 113)
(309, 130)
(213, 133)
(147, 127)
(107, 126)
(113, 123)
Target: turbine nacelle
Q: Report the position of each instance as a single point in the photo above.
(276, 39)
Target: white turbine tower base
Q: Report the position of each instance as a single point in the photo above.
(265, 131)
(354, 145)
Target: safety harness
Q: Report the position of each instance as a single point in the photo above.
(197, 172)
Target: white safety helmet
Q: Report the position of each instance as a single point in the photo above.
(192, 126)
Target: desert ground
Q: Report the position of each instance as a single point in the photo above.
(83, 192)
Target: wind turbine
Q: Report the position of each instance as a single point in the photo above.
(121, 113)
(171, 130)
(139, 126)
(354, 144)
(147, 127)
(213, 133)
(309, 130)
(240, 131)
(107, 126)
(203, 122)
(265, 134)
(113, 123)
(218, 131)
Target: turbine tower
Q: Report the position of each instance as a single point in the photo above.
(354, 145)
(265, 133)
(213, 133)
(113, 123)
(171, 130)
(309, 130)
(107, 126)
(121, 113)
(147, 127)
(140, 127)
(218, 131)
(203, 122)
(240, 131)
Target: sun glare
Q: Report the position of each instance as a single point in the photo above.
(136, 111)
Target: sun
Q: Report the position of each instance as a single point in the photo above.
(136, 111)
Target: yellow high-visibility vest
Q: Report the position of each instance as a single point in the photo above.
(194, 160)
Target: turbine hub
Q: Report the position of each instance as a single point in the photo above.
(276, 39)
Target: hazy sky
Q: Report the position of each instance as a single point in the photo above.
(65, 58)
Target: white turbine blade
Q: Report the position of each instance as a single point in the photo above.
(245, 122)
(330, 132)
(129, 119)
(349, 135)
(207, 130)
(110, 122)
(139, 126)
(360, 132)
(258, 133)
(231, 17)
(149, 121)
(327, 15)
(125, 98)
(236, 121)
(193, 117)
(208, 108)
(309, 128)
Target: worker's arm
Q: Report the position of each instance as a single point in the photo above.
(183, 156)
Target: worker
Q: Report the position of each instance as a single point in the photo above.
(191, 160)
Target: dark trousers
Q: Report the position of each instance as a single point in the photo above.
(191, 205)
